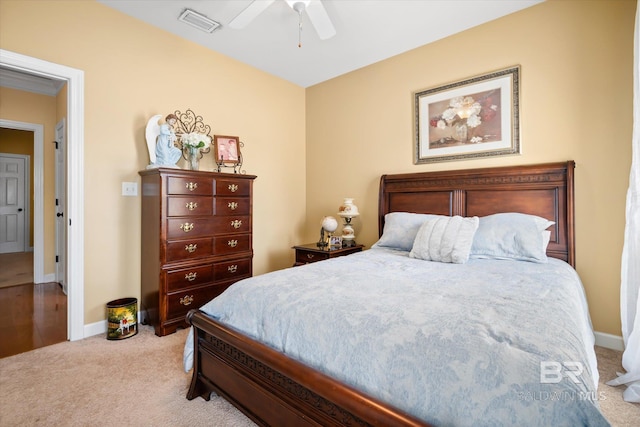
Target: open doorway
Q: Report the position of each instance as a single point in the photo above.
(74, 219)
(16, 216)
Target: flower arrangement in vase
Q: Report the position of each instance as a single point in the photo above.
(193, 145)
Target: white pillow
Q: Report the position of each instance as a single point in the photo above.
(512, 236)
(400, 229)
(445, 239)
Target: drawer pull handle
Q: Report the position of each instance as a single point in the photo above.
(232, 268)
(186, 227)
(186, 300)
(232, 206)
(191, 248)
(232, 243)
(236, 223)
(310, 256)
(191, 205)
(192, 186)
(190, 276)
(233, 187)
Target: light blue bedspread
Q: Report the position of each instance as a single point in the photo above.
(486, 343)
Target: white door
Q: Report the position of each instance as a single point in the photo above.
(12, 203)
(61, 203)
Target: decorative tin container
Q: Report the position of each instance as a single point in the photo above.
(122, 318)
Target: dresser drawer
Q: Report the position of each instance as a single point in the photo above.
(305, 257)
(230, 244)
(189, 206)
(188, 277)
(197, 186)
(186, 227)
(189, 249)
(179, 303)
(233, 187)
(237, 269)
(232, 224)
(232, 206)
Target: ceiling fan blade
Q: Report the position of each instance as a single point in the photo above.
(245, 17)
(320, 20)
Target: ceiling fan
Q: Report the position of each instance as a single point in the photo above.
(314, 8)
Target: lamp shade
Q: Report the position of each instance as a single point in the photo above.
(347, 209)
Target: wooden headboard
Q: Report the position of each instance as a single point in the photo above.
(545, 190)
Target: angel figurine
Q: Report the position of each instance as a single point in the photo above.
(161, 142)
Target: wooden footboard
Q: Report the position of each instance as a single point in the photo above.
(274, 390)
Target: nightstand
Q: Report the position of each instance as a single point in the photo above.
(310, 252)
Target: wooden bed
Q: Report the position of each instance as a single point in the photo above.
(273, 389)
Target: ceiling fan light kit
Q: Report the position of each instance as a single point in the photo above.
(313, 8)
(198, 21)
(298, 5)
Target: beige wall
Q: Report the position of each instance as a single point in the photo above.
(335, 139)
(28, 107)
(576, 104)
(133, 71)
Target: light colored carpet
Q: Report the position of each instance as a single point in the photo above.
(618, 412)
(16, 268)
(139, 381)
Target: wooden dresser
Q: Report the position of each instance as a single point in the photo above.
(196, 240)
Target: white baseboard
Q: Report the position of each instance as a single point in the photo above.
(100, 327)
(95, 328)
(613, 342)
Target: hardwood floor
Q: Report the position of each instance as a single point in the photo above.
(31, 316)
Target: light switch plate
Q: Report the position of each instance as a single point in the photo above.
(129, 188)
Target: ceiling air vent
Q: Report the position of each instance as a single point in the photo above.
(199, 21)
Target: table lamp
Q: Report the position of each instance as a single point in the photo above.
(348, 211)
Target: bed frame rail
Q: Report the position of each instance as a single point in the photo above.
(274, 390)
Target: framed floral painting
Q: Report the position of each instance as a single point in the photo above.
(472, 118)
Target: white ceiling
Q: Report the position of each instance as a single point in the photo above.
(368, 31)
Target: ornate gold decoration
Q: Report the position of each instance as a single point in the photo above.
(233, 187)
(232, 205)
(186, 227)
(191, 205)
(236, 223)
(232, 268)
(192, 185)
(232, 243)
(186, 300)
(191, 276)
(191, 248)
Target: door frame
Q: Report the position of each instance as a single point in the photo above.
(38, 195)
(75, 177)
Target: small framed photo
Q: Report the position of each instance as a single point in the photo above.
(227, 150)
(335, 241)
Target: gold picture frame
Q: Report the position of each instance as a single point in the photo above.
(468, 119)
